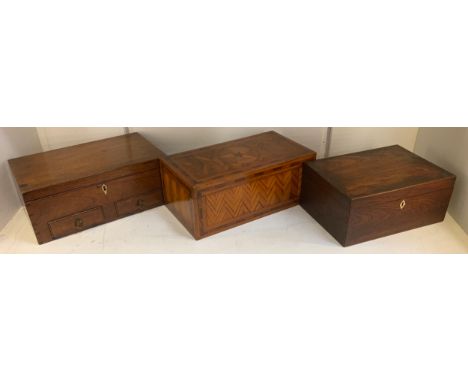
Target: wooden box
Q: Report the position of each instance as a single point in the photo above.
(375, 193)
(75, 188)
(221, 186)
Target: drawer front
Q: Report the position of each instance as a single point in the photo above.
(100, 194)
(139, 203)
(249, 200)
(46, 211)
(76, 222)
(130, 186)
(378, 216)
(104, 196)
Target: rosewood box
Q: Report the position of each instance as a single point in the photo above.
(374, 193)
(221, 186)
(75, 188)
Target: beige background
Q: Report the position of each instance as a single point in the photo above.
(14, 142)
(448, 148)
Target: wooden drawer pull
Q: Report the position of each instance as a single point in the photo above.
(76, 222)
(79, 223)
(139, 203)
(402, 204)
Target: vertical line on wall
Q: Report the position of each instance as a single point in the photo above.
(42, 135)
(328, 141)
(126, 130)
(418, 129)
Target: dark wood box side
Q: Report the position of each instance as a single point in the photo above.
(179, 197)
(400, 210)
(325, 204)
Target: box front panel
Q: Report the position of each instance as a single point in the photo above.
(249, 199)
(51, 217)
(380, 215)
(76, 222)
(139, 203)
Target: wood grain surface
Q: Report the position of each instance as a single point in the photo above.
(377, 216)
(179, 199)
(229, 205)
(370, 194)
(238, 157)
(54, 171)
(71, 189)
(122, 199)
(218, 187)
(379, 170)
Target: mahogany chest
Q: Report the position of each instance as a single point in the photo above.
(221, 186)
(374, 193)
(71, 189)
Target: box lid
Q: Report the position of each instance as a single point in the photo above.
(41, 174)
(238, 157)
(376, 171)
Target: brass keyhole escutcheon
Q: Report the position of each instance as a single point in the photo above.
(104, 189)
(402, 204)
(140, 203)
(79, 223)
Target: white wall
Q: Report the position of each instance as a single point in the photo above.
(448, 148)
(346, 140)
(14, 142)
(57, 137)
(176, 139)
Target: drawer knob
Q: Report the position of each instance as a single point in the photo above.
(104, 189)
(140, 203)
(79, 223)
(402, 204)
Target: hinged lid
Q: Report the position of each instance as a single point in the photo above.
(238, 157)
(377, 171)
(46, 173)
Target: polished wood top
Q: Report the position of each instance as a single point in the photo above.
(50, 168)
(375, 171)
(239, 156)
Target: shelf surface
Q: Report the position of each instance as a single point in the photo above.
(288, 231)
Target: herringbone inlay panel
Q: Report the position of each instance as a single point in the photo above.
(228, 184)
(231, 204)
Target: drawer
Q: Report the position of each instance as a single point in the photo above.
(102, 194)
(52, 216)
(76, 222)
(139, 203)
(130, 186)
